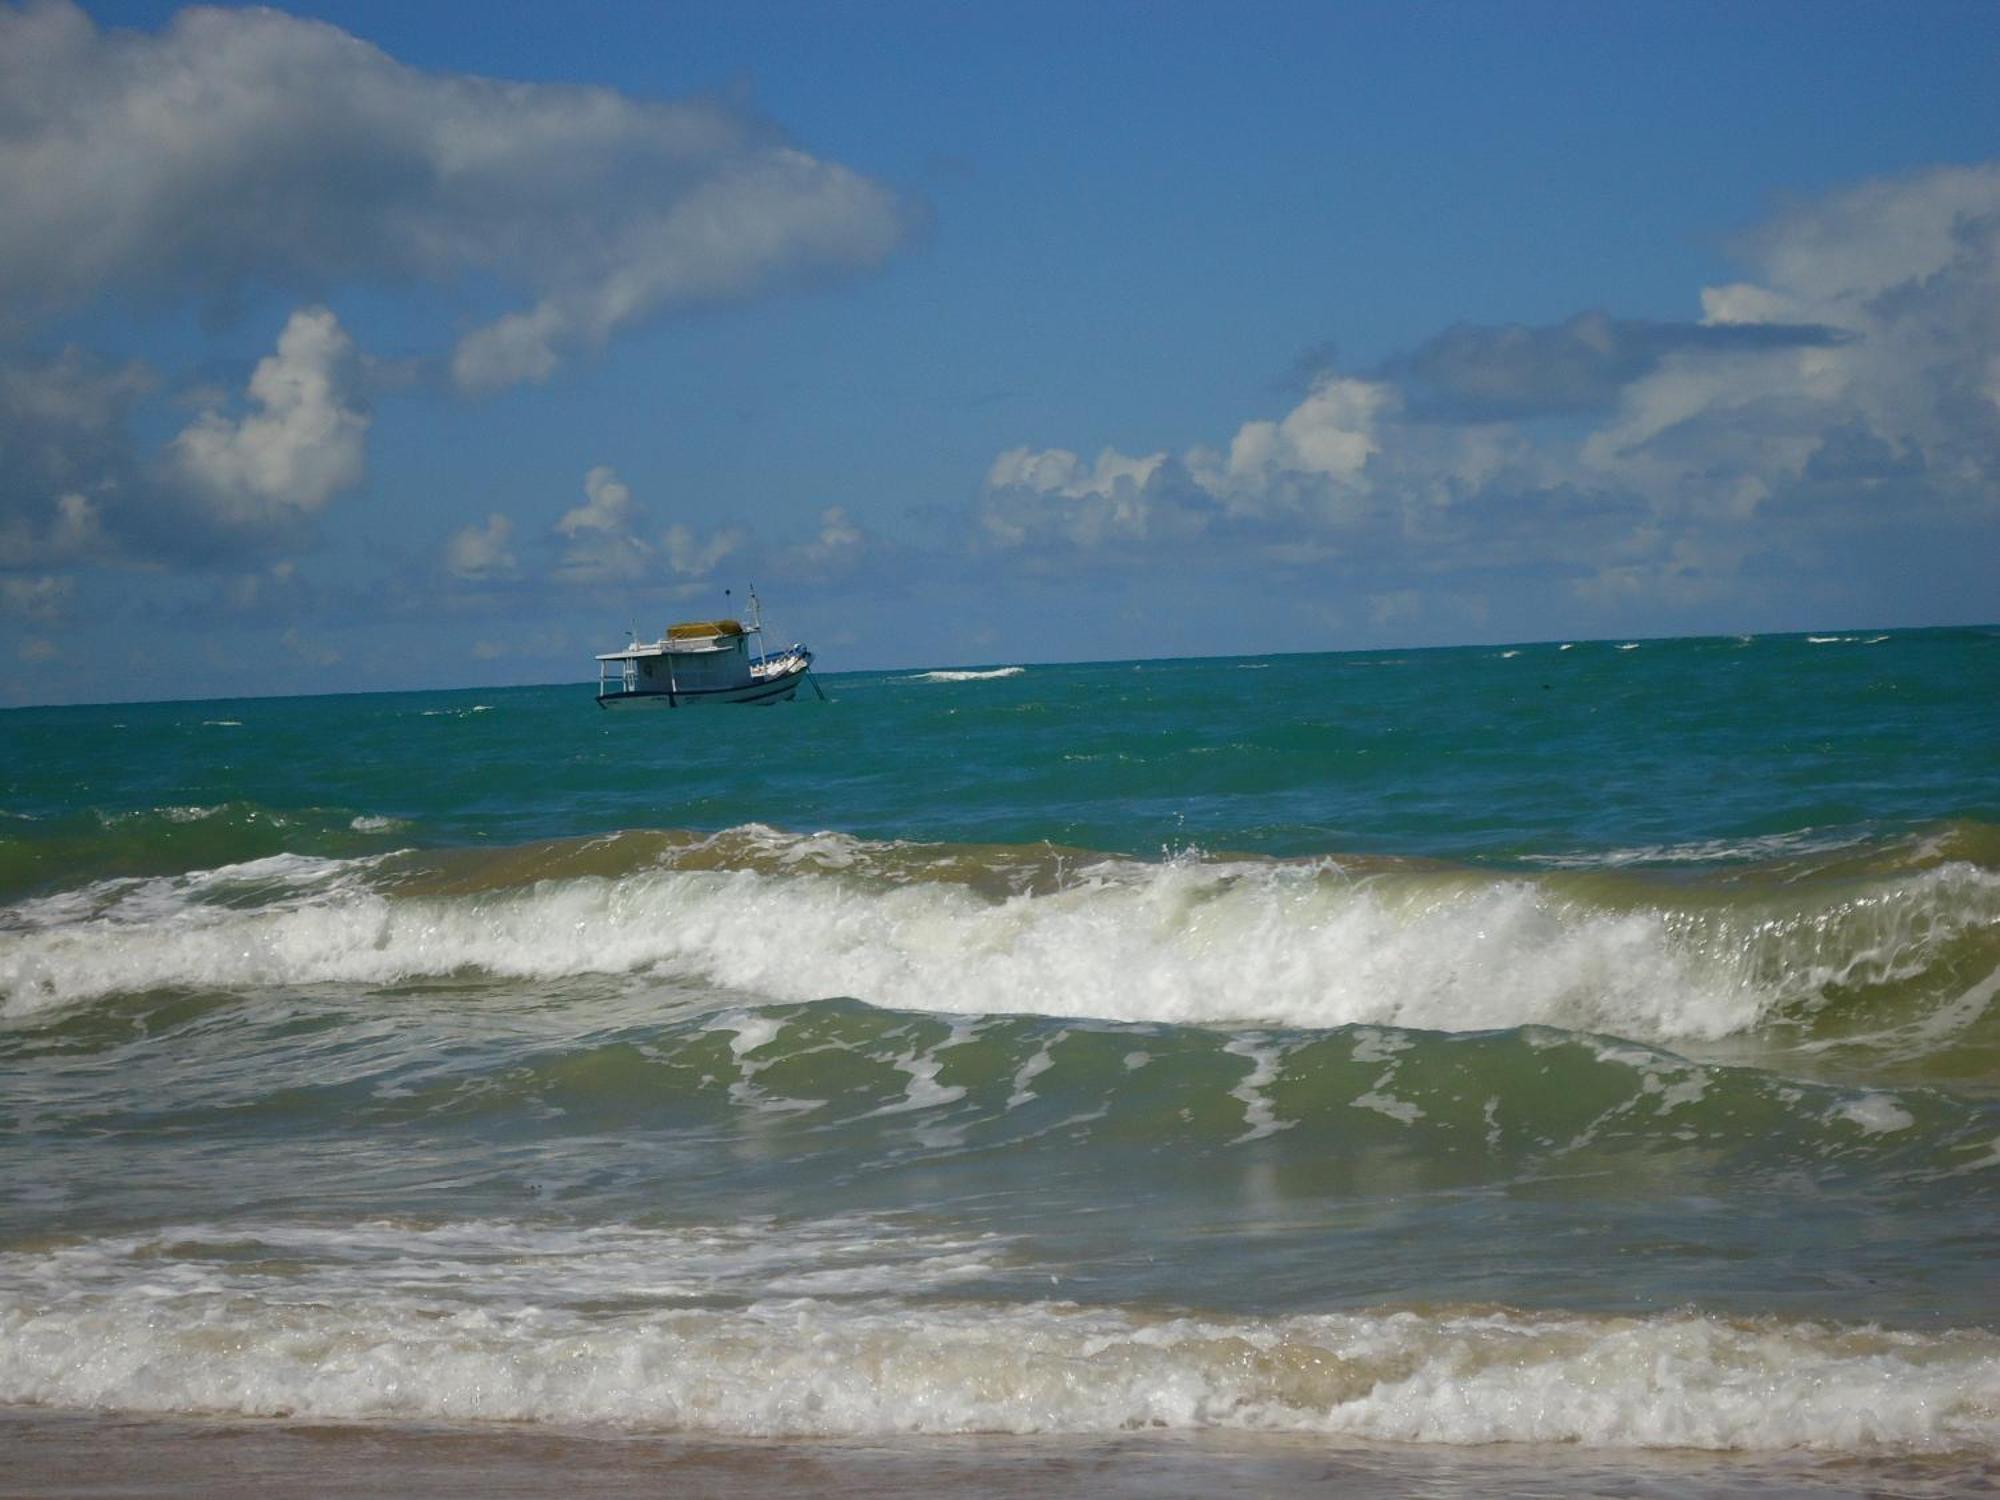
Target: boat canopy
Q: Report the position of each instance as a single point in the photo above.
(693, 630)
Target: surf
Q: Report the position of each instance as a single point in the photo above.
(1901, 943)
(866, 1327)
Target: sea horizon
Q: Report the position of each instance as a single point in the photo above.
(1832, 633)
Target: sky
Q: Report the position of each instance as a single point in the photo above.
(367, 346)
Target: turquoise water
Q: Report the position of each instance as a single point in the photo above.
(1590, 1043)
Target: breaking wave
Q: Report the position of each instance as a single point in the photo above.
(946, 929)
(967, 675)
(1036, 930)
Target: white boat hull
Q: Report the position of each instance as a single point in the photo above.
(777, 686)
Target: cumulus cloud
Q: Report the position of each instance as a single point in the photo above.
(603, 545)
(1033, 498)
(607, 505)
(606, 540)
(303, 442)
(482, 552)
(692, 556)
(76, 490)
(248, 148)
(1847, 392)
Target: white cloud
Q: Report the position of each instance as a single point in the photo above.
(690, 556)
(607, 505)
(761, 215)
(1847, 248)
(1908, 270)
(1332, 433)
(1057, 472)
(1052, 494)
(511, 349)
(603, 546)
(607, 544)
(302, 444)
(1849, 390)
(481, 552)
(245, 147)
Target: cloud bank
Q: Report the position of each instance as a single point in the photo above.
(607, 540)
(1817, 416)
(244, 156)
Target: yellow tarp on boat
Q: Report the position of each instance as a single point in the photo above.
(693, 630)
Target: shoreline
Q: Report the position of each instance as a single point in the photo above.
(53, 1454)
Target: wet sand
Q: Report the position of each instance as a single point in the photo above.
(49, 1454)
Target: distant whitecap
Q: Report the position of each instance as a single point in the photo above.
(967, 676)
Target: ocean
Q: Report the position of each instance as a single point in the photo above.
(1571, 1068)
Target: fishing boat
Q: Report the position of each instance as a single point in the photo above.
(703, 661)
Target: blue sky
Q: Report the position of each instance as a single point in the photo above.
(373, 345)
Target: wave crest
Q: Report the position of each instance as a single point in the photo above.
(935, 928)
(967, 675)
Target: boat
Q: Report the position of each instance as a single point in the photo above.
(703, 661)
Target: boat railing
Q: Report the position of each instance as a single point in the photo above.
(617, 677)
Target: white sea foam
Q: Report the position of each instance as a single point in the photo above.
(1387, 1104)
(188, 814)
(1876, 1114)
(922, 1066)
(1181, 942)
(968, 676)
(1760, 847)
(1259, 1117)
(844, 1330)
(1033, 1068)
